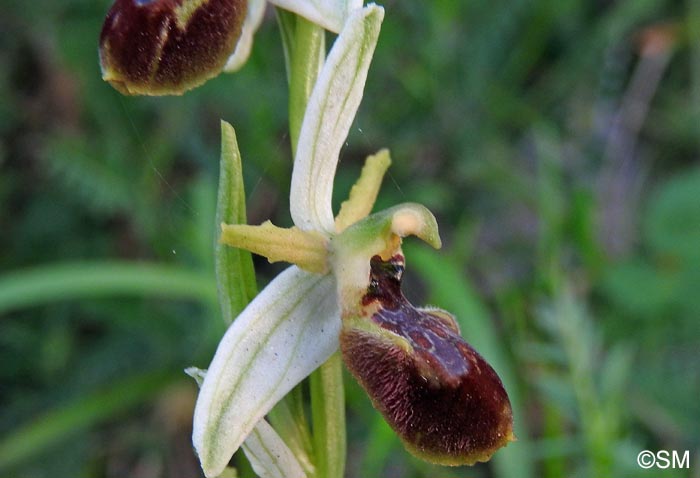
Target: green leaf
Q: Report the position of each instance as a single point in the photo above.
(235, 275)
(77, 280)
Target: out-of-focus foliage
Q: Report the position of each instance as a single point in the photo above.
(557, 142)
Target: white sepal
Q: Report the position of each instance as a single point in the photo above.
(328, 118)
(330, 14)
(284, 334)
(269, 456)
(253, 19)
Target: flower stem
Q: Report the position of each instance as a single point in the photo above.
(307, 54)
(328, 415)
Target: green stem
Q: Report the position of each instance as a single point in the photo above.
(308, 51)
(328, 415)
(305, 51)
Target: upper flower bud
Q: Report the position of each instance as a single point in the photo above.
(161, 47)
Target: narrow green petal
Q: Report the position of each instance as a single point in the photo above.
(288, 330)
(306, 249)
(269, 456)
(364, 192)
(329, 115)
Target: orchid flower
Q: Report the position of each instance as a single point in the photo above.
(343, 291)
(166, 47)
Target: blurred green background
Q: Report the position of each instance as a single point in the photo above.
(557, 142)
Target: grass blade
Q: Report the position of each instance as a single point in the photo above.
(78, 280)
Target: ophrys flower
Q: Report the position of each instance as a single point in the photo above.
(443, 399)
(166, 47)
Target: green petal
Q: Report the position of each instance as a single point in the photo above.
(364, 192)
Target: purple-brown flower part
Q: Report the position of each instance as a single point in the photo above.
(441, 397)
(162, 47)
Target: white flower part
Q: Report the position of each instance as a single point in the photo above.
(330, 14)
(253, 19)
(284, 334)
(267, 453)
(328, 118)
(197, 374)
(269, 456)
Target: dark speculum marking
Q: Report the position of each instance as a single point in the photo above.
(159, 47)
(442, 398)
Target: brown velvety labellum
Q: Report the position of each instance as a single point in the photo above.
(441, 397)
(162, 47)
